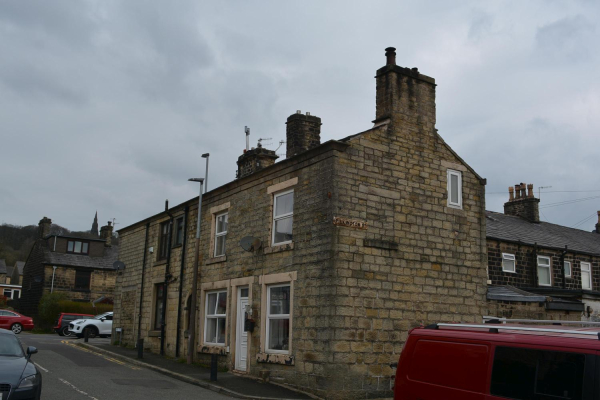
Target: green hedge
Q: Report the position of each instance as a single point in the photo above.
(52, 304)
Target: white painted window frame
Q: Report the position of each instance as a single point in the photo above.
(219, 234)
(452, 204)
(549, 266)
(215, 316)
(589, 271)
(509, 257)
(281, 217)
(277, 316)
(570, 269)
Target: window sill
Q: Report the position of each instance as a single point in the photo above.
(214, 260)
(177, 246)
(278, 248)
(212, 349)
(153, 333)
(272, 358)
(510, 272)
(160, 262)
(81, 290)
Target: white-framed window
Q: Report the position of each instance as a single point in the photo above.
(543, 270)
(8, 293)
(215, 316)
(508, 263)
(567, 267)
(221, 223)
(586, 275)
(278, 319)
(454, 188)
(283, 216)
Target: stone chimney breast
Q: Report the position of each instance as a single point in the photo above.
(44, 227)
(303, 132)
(106, 234)
(523, 203)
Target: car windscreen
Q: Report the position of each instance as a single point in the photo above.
(10, 346)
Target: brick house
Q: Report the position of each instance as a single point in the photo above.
(82, 268)
(333, 253)
(540, 270)
(10, 279)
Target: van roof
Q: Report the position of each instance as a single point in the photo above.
(550, 335)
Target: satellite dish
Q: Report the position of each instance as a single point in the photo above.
(118, 265)
(250, 243)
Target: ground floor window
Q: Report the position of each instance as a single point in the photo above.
(278, 318)
(215, 317)
(82, 280)
(158, 305)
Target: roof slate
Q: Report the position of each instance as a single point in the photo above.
(511, 228)
(76, 260)
(511, 293)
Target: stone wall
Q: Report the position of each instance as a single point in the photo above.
(102, 283)
(523, 310)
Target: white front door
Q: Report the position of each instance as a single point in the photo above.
(241, 339)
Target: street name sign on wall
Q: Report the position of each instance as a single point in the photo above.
(350, 223)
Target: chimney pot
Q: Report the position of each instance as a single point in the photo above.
(298, 112)
(390, 54)
(523, 204)
(517, 191)
(511, 193)
(308, 113)
(530, 190)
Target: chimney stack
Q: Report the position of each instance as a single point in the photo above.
(303, 132)
(523, 204)
(44, 227)
(598, 223)
(254, 160)
(106, 234)
(405, 96)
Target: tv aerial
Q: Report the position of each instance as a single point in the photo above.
(250, 243)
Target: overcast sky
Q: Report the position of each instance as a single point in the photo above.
(108, 105)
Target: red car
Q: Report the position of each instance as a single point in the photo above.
(14, 321)
(64, 319)
(499, 361)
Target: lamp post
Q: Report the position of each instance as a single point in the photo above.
(206, 155)
(192, 338)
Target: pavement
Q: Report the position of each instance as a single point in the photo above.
(227, 383)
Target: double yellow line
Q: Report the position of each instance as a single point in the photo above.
(114, 360)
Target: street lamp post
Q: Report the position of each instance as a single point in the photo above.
(206, 155)
(192, 333)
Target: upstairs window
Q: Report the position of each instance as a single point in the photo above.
(179, 231)
(508, 262)
(220, 233)
(82, 280)
(586, 275)
(283, 215)
(543, 270)
(163, 241)
(77, 247)
(567, 269)
(454, 189)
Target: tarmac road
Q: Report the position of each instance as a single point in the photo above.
(71, 372)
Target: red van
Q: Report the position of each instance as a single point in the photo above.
(499, 361)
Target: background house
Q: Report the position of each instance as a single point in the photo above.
(537, 269)
(346, 246)
(82, 268)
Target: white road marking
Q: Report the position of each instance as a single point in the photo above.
(40, 367)
(76, 389)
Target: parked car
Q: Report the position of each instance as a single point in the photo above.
(100, 325)
(19, 377)
(15, 322)
(61, 325)
(499, 361)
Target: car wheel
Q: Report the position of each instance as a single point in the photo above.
(16, 328)
(64, 331)
(93, 332)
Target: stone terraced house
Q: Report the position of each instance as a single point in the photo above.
(539, 270)
(82, 268)
(313, 269)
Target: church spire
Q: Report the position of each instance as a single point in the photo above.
(94, 230)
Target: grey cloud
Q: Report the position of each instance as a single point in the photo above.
(567, 40)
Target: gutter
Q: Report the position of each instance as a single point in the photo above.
(168, 277)
(139, 335)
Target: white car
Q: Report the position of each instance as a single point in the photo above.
(100, 325)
